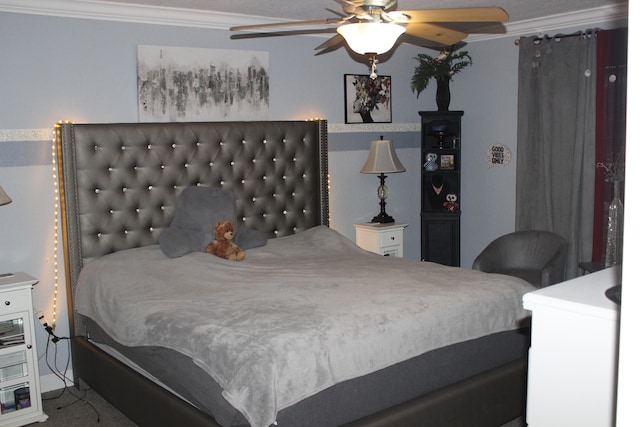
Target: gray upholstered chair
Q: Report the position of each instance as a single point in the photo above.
(539, 257)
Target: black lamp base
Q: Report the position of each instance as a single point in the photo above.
(383, 218)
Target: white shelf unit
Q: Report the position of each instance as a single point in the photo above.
(20, 398)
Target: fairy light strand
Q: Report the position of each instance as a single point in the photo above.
(56, 223)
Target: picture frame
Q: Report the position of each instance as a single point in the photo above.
(367, 100)
(447, 162)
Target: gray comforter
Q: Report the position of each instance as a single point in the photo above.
(298, 315)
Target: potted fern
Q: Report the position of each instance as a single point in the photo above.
(441, 68)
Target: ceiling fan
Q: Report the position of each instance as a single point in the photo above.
(372, 27)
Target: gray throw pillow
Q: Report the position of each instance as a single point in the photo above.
(247, 238)
(197, 210)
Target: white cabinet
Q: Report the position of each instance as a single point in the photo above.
(20, 399)
(573, 354)
(383, 239)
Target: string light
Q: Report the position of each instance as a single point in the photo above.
(55, 227)
(56, 221)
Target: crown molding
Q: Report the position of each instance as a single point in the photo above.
(614, 15)
(606, 17)
(125, 12)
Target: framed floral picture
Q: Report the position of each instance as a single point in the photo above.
(367, 100)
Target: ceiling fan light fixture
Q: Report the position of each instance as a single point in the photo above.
(366, 37)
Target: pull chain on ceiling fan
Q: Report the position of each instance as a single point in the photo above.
(372, 27)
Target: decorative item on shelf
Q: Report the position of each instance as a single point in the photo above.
(382, 159)
(4, 197)
(441, 132)
(452, 202)
(447, 162)
(431, 162)
(441, 68)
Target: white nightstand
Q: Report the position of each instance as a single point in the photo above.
(20, 399)
(383, 239)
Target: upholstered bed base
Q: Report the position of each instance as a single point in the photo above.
(489, 399)
(337, 405)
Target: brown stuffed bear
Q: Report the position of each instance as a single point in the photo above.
(222, 246)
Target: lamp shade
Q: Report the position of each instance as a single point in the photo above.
(382, 158)
(4, 198)
(364, 38)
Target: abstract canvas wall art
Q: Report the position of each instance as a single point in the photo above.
(197, 84)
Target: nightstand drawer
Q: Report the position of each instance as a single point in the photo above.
(12, 301)
(391, 238)
(391, 251)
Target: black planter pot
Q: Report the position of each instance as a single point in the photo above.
(443, 95)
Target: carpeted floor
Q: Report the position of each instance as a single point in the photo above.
(80, 408)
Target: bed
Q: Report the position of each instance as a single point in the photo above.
(308, 330)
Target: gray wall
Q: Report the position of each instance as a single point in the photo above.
(57, 68)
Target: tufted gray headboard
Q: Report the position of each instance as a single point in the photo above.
(119, 182)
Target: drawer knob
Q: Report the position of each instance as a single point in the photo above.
(393, 238)
(7, 303)
(29, 346)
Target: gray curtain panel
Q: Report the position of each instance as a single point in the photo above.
(556, 140)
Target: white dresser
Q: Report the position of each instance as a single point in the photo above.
(573, 354)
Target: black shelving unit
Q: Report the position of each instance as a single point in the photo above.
(440, 187)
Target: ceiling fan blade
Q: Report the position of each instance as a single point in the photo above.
(444, 36)
(464, 14)
(332, 42)
(347, 6)
(329, 21)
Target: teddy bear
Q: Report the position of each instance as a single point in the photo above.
(222, 246)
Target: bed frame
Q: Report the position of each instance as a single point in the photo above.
(118, 185)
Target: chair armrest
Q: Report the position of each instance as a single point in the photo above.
(554, 270)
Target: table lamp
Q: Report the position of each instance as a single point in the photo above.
(382, 159)
(4, 198)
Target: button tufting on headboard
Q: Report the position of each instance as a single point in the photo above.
(119, 182)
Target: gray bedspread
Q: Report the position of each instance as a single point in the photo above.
(298, 315)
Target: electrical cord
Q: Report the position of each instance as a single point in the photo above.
(53, 339)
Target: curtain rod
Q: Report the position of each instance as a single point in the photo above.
(586, 33)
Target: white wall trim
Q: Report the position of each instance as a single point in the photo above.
(22, 135)
(10, 135)
(373, 127)
(104, 10)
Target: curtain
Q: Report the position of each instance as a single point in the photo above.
(611, 103)
(556, 140)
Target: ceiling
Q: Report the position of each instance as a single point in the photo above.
(518, 10)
